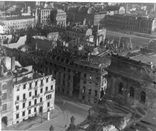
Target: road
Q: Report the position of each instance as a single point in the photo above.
(68, 109)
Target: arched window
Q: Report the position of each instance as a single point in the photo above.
(120, 89)
(143, 97)
(131, 91)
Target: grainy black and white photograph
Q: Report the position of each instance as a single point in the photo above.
(77, 66)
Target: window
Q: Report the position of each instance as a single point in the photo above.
(23, 113)
(143, 97)
(17, 116)
(41, 90)
(4, 96)
(41, 82)
(35, 83)
(35, 101)
(23, 96)
(35, 109)
(29, 112)
(47, 80)
(23, 105)
(48, 104)
(120, 89)
(48, 97)
(29, 94)
(35, 92)
(30, 85)
(17, 98)
(51, 87)
(131, 91)
(29, 103)
(40, 99)
(95, 93)
(4, 107)
(89, 92)
(46, 88)
(85, 75)
(17, 107)
(24, 86)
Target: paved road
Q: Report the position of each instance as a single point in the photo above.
(69, 109)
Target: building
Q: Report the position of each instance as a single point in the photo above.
(23, 92)
(33, 94)
(128, 23)
(6, 95)
(61, 17)
(17, 23)
(75, 77)
(78, 32)
(131, 81)
(44, 16)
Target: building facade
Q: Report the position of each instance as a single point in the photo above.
(45, 16)
(23, 93)
(128, 23)
(61, 17)
(33, 97)
(131, 82)
(17, 23)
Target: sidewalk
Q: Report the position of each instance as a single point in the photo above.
(35, 121)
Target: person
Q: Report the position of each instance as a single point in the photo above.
(51, 128)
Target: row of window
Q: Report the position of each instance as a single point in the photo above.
(29, 111)
(36, 93)
(36, 84)
(30, 103)
(131, 92)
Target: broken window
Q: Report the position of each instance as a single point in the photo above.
(131, 91)
(120, 89)
(143, 97)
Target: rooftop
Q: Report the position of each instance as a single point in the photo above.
(94, 61)
(145, 58)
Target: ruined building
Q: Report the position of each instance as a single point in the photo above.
(83, 78)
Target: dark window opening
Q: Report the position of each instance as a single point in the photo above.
(131, 91)
(120, 91)
(143, 97)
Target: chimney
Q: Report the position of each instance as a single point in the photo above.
(12, 63)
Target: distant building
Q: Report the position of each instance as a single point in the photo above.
(16, 23)
(128, 23)
(78, 32)
(44, 16)
(61, 17)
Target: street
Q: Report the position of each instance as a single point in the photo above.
(62, 121)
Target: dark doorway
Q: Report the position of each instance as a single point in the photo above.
(41, 109)
(5, 121)
(76, 83)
